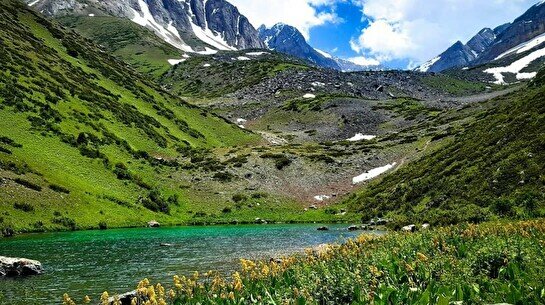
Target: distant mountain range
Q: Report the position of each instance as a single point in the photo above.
(490, 45)
(287, 39)
(198, 26)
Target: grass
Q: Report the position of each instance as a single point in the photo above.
(69, 113)
(134, 44)
(487, 166)
(498, 262)
(453, 85)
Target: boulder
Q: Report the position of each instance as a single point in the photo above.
(7, 232)
(426, 226)
(154, 224)
(409, 228)
(354, 228)
(19, 267)
(323, 229)
(260, 221)
(124, 299)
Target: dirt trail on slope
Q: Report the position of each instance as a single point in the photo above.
(481, 97)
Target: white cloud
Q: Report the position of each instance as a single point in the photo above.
(303, 14)
(421, 29)
(364, 61)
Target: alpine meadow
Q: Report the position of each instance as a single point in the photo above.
(163, 152)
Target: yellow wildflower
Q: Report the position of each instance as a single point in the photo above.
(86, 300)
(422, 257)
(104, 298)
(237, 281)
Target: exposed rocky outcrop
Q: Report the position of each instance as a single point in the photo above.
(12, 267)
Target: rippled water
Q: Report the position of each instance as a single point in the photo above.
(90, 262)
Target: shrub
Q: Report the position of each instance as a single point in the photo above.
(65, 222)
(239, 198)
(59, 189)
(28, 184)
(102, 225)
(200, 214)
(5, 150)
(10, 142)
(259, 195)
(25, 207)
(122, 172)
(156, 202)
(224, 176)
(280, 161)
(226, 210)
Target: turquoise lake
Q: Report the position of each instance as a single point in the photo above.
(90, 262)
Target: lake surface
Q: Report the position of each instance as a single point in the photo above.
(90, 262)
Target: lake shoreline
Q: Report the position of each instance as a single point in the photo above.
(90, 262)
(189, 225)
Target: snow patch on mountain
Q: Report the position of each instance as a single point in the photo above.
(427, 65)
(525, 46)
(516, 67)
(207, 36)
(257, 53)
(373, 173)
(324, 54)
(360, 137)
(207, 51)
(174, 62)
(169, 34)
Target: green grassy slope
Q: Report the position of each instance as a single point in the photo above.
(84, 139)
(133, 43)
(492, 167)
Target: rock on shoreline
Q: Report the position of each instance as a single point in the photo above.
(12, 267)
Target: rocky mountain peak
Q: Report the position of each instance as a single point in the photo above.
(490, 44)
(190, 25)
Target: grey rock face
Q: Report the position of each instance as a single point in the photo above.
(482, 41)
(12, 267)
(458, 55)
(524, 28)
(218, 17)
(288, 40)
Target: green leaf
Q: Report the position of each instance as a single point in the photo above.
(443, 300)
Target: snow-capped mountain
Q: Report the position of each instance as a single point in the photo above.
(287, 39)
(203, 26)
(462, 55)
(488, 46)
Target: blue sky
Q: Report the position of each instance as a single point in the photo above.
(327, 37)
(394, 33)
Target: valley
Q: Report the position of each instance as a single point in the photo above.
(155, 138)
